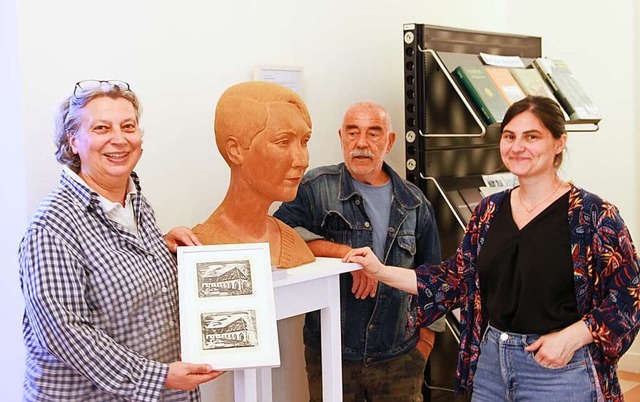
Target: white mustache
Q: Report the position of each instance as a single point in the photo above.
(361, 152)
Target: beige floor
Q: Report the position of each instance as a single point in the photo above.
(630, 383)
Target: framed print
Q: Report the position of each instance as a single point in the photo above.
(287, 76)
(227, 312)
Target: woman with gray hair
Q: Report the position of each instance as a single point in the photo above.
(99, 283)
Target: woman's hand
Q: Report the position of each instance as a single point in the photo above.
(556, 349)
(401, 278)
(180, 236)
(364, 284)
(187, 376)
(367, 258)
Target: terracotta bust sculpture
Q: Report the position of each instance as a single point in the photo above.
(261, 130)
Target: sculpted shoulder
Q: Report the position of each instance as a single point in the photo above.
(294, 250)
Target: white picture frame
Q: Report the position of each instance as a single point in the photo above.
(287, 76)
(227, 310)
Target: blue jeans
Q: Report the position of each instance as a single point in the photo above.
(506, 372)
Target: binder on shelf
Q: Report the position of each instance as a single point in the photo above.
(483, 92)
(532, 83)
(506, 84)
(567, 90)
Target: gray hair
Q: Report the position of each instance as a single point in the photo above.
(373, 108)
(68, 118)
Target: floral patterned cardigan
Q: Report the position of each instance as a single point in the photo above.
(605, 272)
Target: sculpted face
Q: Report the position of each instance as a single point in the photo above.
(277, 158)
(108, 141)
(262, 130)
(366, 138)
(528, 148)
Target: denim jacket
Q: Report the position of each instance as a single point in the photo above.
(327, 206)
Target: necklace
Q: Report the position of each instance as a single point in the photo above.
(529, 211)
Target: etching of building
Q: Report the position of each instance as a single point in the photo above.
(230, 278)
(228, 330)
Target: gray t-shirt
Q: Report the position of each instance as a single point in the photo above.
(377, 204)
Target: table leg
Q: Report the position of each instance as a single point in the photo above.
(331, 344)
(245, 385)
(265, 391)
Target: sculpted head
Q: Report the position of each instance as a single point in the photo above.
(243, 111)
(262, 130)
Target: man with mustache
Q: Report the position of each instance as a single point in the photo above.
(363, 202)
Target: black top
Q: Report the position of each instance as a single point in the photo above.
(526, 275)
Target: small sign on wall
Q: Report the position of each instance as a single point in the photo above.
(287, 76)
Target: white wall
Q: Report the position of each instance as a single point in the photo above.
(13, 205)
(180, 56)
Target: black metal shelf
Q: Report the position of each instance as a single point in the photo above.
(439, 115)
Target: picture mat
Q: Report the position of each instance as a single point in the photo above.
(287, 76)
(265, 353)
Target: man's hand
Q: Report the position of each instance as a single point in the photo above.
(187, 376)
(363, 285)
(180, 236)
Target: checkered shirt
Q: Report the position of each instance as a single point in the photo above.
(101, 305)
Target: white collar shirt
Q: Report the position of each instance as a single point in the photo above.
(121, 215)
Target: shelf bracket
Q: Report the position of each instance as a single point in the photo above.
(446, 199)
(453, 84)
